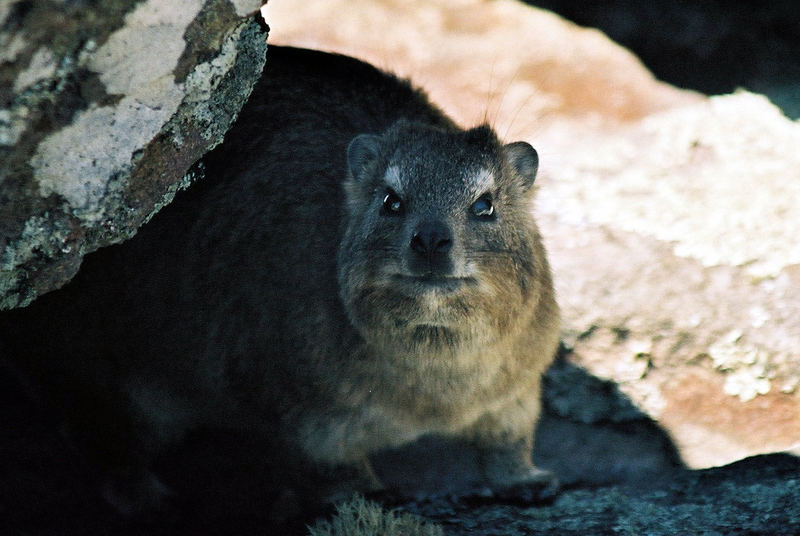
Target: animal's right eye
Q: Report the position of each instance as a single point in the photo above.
(392, 204)
(483, 207)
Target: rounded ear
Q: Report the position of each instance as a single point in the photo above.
(523, 157)
(362, 150)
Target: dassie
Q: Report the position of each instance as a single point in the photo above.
(353, 272)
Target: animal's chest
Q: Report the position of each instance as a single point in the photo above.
(426, 392)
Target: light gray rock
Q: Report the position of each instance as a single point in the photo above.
(104, 109)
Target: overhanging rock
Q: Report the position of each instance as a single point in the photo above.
(104, 109)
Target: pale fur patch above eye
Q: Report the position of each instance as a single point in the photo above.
(393, 180)
(482, 182)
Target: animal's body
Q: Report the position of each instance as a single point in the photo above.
(353, 272)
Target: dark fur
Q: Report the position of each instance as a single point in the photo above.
(228, 310)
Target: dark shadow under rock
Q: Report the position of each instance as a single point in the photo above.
(590, 433)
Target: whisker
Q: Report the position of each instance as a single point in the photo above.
(489, 93)
(516, 114)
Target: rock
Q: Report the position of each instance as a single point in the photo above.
(518, 68)
(104, 109)
(721, 46)
(754, 496)
(670, 217)
(672, 242)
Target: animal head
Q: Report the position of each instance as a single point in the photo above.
(440, 244)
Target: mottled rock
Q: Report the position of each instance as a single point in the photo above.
(670, 217)
(677, 270)
(103, 109)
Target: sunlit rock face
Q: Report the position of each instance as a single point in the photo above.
(671, 218)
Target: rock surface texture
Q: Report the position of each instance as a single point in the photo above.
(103, 108)
(671, 218)
(753, 496)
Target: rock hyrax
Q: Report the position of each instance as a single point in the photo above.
(353, 272)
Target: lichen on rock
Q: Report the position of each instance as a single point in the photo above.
(99, 125)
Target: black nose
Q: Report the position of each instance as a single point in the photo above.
(432, 238)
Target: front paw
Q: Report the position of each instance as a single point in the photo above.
(536, 487)
(339, 483)
(531, 488)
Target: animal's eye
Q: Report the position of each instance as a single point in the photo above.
(392, 204)
(483, 207)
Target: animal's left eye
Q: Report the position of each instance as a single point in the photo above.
(392, 204)
(483, 207)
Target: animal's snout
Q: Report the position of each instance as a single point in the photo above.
(430, 249)
(432, 238)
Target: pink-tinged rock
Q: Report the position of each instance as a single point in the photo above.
(671, 218)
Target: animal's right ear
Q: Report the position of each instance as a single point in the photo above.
(362, 150)
(525, 160)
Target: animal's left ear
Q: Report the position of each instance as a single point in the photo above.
(523, 158)
(362, 150)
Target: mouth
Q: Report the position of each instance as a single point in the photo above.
(433, 281)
